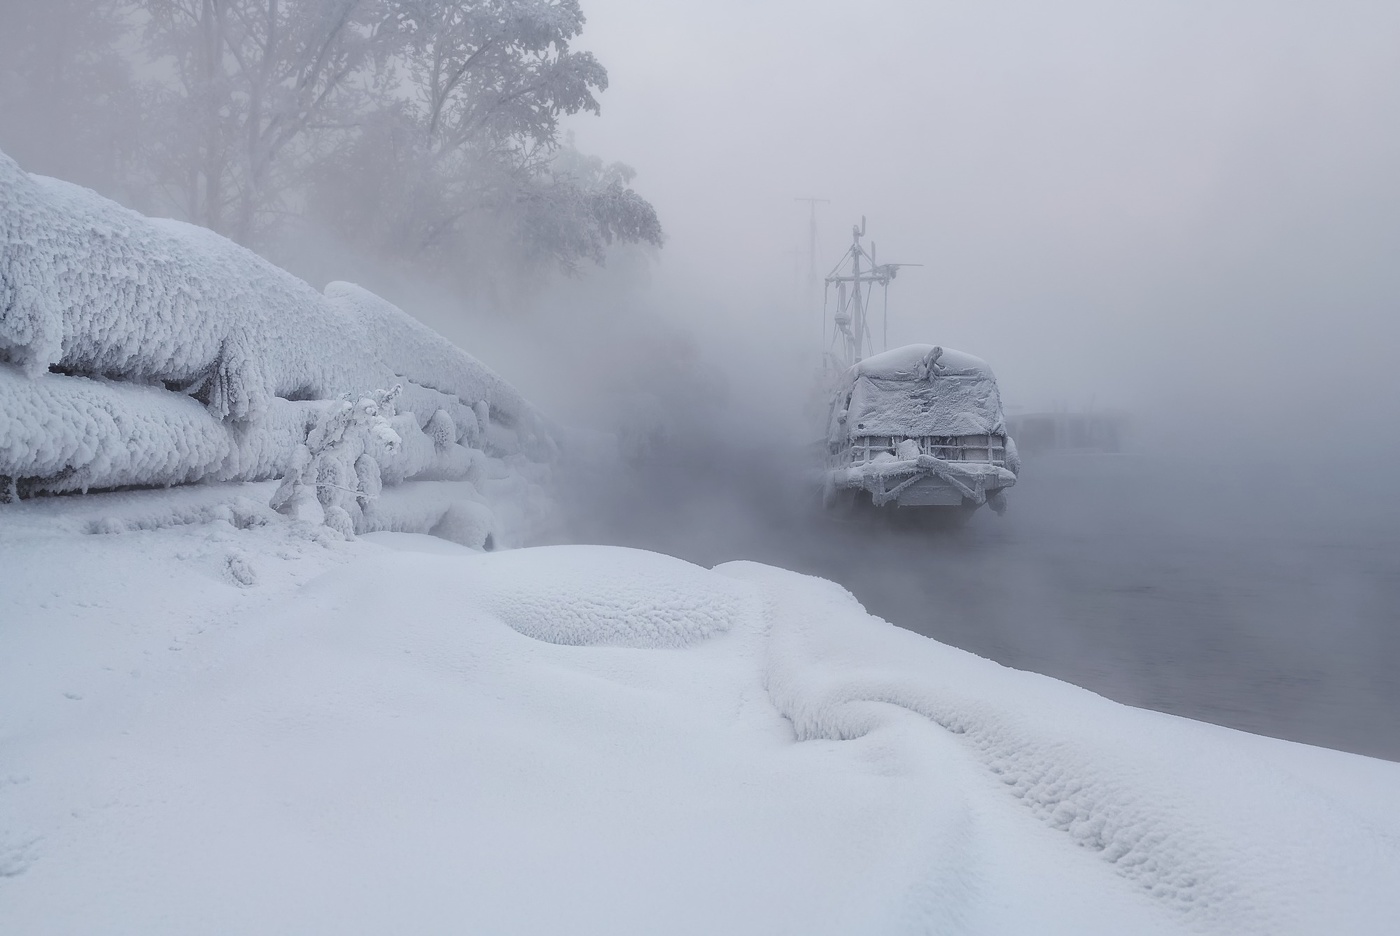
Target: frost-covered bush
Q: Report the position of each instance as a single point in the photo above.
(140, 352)
(337, 464)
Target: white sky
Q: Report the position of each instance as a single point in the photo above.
(1209, 188)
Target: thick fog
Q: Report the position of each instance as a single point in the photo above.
(1187, 212)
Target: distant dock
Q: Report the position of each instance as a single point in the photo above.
(1060, 432)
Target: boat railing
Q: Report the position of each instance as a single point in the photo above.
(989, 448)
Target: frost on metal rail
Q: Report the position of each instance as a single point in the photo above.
(980, 448)
(919, 426)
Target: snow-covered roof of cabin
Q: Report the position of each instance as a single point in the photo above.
(909, 362)
(896, 393)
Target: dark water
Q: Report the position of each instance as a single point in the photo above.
(1253, 596)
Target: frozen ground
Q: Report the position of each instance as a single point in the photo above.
(1260, 594)
(228, 725)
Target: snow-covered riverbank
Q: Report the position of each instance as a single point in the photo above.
(217, 716)
(244, 724)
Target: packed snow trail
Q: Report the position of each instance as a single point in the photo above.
(1203, 819)
(238, 722)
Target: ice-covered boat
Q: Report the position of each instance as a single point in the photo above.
(919, 427)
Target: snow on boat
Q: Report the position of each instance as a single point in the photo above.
(919, 426)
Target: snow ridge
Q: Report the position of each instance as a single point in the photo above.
(1115, 790)
(613, 597)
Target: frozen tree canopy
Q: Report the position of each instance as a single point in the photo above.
(144, 352)
(421, 130)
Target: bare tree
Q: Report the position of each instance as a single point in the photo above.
(67, 97)
(259, 87)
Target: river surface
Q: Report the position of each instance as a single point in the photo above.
(1259, 597)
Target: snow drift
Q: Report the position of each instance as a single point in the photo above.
(279, 733)
(149, 352)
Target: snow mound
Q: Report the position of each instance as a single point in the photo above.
(95, 289)
(74, 433)
(89, 287)
(587, 596)
(145, 352)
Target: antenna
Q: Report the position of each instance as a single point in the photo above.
(812, 253)
(885, 327)
(853, 309)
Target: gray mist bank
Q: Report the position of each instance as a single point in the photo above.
(1259, 601)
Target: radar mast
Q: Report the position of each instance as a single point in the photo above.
(855, 277)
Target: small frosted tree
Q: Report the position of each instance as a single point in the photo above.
(337, 464)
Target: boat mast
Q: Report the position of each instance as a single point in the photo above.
(857, 307)
(852, 309)
(813, 282)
